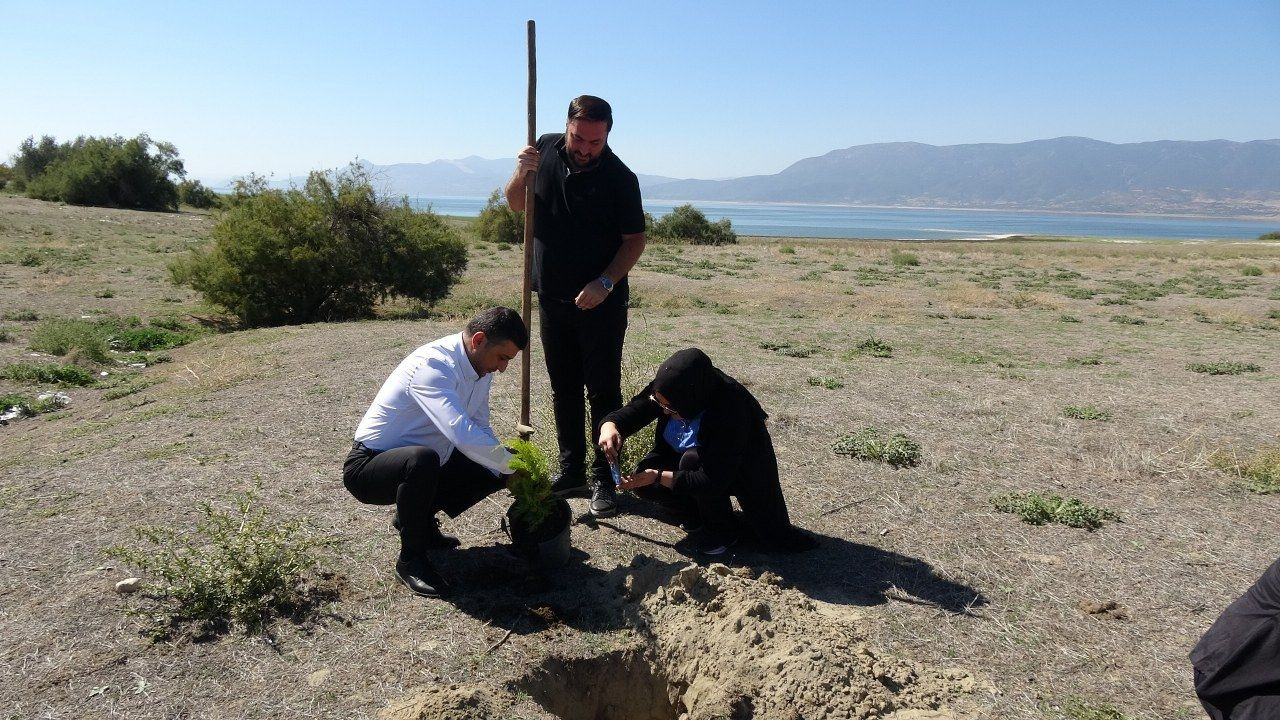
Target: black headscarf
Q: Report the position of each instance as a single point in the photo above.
(689, 381)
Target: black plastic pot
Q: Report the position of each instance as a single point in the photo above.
(547, 545)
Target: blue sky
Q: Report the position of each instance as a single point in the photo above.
(699, 89)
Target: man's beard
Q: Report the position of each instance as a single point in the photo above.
(580, 165)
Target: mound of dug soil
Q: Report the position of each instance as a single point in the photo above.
(722, 643)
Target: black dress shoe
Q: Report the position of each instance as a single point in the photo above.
(420, 577)
(569, 485)
(434, 539)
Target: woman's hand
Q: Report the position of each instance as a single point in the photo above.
(644, 478)
(610, 442)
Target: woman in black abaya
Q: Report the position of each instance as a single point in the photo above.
(710, 443)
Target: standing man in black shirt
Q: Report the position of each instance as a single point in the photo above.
(588, 233)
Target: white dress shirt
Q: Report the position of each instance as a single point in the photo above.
(435, 399)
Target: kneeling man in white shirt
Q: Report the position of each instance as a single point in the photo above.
(425, 443)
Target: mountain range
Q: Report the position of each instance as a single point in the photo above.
(1213, 177)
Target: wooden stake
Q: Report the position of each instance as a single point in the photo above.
(525, 428)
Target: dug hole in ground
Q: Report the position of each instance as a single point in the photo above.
(716, 642)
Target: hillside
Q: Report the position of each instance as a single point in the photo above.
(922, 601)
(1077, 174)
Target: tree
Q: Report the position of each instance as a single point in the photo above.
(687, 224)
(329, 251)
(195, 194)
(111, 172)
(499, 223)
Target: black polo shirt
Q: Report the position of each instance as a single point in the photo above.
(580, 218)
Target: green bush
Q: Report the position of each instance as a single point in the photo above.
(1128, 320)
(904, 259)
(237, 568)
(687, 224)
(47, 373)
(195, 194)
(6, 174)
(140, 339)
(1039, 509)
(530, 484)
(1270, 236)
(111, 172)
(329, 251)
(868, 444)
(498, 223)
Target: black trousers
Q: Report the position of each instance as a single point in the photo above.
(583, 349)
(413, 479)
(710, 509)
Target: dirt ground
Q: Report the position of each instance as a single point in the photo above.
(922, 601)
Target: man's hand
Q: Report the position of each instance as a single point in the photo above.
(593, 293)
(644, 478)
(527, 160)
(610, 442)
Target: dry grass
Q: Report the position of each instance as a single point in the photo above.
(279, 406)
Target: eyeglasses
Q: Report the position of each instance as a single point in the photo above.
(665, 407)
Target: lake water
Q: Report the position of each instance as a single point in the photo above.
(784, 220)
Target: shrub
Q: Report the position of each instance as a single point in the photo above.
(687, 224)
(20, 315)
(499, 223)
(787, 250)
(1270, 236)
(1039, 509)
(1251, 271)
(47, 373)
(237, 568)
(1261, 470)
(1068, 319)
(826, 382)
(1085, 412)
(530, 484)
(58, 336)
(326, 252)
(904, 259)
(6, 174)
(868, 444)
(1223, 367)
(112, 172)
(148, 338)
(195, 194)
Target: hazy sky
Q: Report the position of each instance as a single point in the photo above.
(699, 89)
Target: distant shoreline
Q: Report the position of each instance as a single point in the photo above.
(1027, 211)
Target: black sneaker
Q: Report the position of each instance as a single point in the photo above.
(604, 501)
(716, 543)
(421, 578)
(569, 485)
(433, 539)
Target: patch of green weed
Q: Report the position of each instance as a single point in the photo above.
(47, 373)
(826, 382)
(1223, 367)
(868, 443)
(1261, 470)
(1085, 412)
(904, 259)
(873, 346)
(1037, 509)
(1128, 320)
